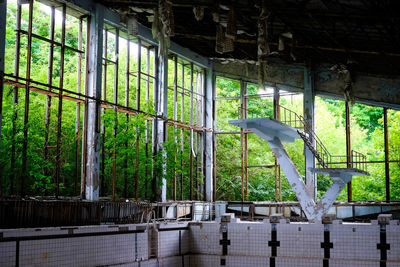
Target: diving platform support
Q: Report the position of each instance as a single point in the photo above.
(276, 132)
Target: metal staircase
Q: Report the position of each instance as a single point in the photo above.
(289, 127)
(317, 148)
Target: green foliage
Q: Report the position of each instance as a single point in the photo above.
(136, 131)
(366, 137)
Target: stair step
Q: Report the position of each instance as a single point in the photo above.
(313, 150)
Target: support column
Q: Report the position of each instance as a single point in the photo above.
(3, 13)
(160, 124)
(277, 116)
(309, 97)
(93, 116)
(208, 144)
(386, 136)
(348, 150)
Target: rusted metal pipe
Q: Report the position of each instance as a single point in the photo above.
(182, 131)
(78, 108)
(25, 173)
(386, 137)
(146, 122)
(50, 82)
(115, 123)
(138, 88)
(85, 113)
(348, 150)
(60, 98)
(191, 134)
(15, 100)
(103, 125)
(175, 118)
(127, 76)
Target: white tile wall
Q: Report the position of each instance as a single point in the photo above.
(83, 251)
(393, 238)
(7, 254)
(168, 243)
(355, 241)
(298, 262)
(355, 263)
(204, 238)
(204, 260)
(249, 239)
(300, 240)
(240, 261)
(300, 245)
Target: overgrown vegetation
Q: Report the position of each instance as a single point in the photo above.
(366, 132)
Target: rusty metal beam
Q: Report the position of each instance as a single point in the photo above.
(25, 173)
(52, 42)
(115, 122)
(277, 116)
(182, 131)
(60, 105)
(78, 108)
(138, 88)
(85, 112)
(175, 118)
(246, 140)
(386, 140)
(104, 104)
(191, 134)
(3, 17)
(147, 133)
(241, 116)
(103, 125)
(348, 149)
(15, 101)
(128, 44)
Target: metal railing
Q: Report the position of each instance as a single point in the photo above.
(358, 160)
(321, 153)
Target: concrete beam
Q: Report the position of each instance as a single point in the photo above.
(284, 76)
(367, 89)
(208, 136)
(3, 16)
(94, 90)
(308, 101)
(294, 178)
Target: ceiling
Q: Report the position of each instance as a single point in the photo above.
(363, 34)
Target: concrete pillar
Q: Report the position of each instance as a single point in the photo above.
(159, 124)
(309, 97)
(94, 90)
(3, 12)
(208, 135)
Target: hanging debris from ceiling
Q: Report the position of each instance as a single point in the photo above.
(163, 24)
(222, 43)
(132, 25)
(167, 17)
(344, 74)
(263, 50)
(283, 39)
(215, 16)
(198, 12)
(231, 27)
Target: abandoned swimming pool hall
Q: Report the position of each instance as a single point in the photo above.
(199, 133)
